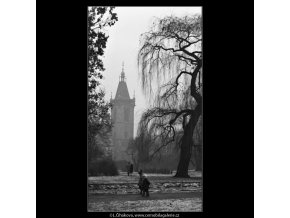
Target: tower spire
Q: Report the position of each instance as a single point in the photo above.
(123, 73)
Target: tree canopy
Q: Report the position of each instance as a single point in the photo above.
(170, 63)
(99, 123)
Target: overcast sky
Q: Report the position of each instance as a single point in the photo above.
(123, 45)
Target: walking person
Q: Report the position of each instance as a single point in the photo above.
(128, 168)
(140, 182)
(145, 186)
(131, 168)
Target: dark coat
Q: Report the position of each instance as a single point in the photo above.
(145, 183)
(140, 183)
(131, 168)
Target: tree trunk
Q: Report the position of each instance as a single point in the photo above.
(186, 144)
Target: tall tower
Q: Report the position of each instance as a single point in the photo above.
(122, 119)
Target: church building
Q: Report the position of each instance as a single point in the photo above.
(122, 114)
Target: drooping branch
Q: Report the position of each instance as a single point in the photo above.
(182, 72)
(168, 142)
(170, 50)
(188, 112)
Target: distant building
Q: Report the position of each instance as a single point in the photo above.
(122, 114)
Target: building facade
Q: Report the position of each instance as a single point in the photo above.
(122, 114)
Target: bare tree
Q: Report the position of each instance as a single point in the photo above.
(170, 61)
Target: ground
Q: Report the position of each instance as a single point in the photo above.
(121, 193)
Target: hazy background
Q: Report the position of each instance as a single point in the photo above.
(123, 45)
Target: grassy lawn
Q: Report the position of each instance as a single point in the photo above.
(190, 202)
(167, 193)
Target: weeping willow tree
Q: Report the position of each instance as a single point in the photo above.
(170, 63)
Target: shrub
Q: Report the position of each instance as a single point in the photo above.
(154, 170)
(105, 167)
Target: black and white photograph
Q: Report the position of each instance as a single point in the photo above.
(145, 114)
(145, 111)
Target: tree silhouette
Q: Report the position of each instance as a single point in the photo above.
(99, 124)
(170, 62)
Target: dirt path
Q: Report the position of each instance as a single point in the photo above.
(135, 197)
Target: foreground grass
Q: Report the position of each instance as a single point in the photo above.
(174, 202)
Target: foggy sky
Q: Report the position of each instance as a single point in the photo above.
(123, 44)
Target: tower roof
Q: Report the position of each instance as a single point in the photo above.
(122, 90)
